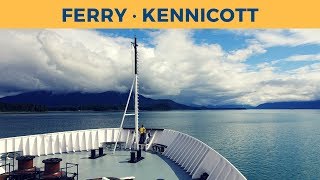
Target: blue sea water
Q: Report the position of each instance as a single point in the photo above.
(262, 144)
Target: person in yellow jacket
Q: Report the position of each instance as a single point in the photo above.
(143, 132)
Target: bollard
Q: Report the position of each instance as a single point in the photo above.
(25, 162)
(132, 156)
(93, 154)
(100, 151)
(51, 165)
(204, 176)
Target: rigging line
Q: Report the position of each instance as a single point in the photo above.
(124, 115)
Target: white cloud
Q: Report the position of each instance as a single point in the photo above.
(72, 60)
(303, 57)
(283, 37)
(174, 66)
(243, 54)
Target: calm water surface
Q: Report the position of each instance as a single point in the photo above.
(262, 144)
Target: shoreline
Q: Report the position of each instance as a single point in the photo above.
(92, 111)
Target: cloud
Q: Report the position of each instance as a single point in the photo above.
(63, 60)
(243, 54)
(283, 37)
(171, 65)
(303, 57)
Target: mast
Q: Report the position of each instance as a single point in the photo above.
(136, 94)
(136, 101)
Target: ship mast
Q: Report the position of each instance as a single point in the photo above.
(136, 101)
(136, 94)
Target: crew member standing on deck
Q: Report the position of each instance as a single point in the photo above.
(143, 133)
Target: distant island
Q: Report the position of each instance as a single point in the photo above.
(42, 101)
(291, 105)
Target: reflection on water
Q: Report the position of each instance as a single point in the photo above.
(262, 144)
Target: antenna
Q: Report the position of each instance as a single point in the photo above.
(135, 46)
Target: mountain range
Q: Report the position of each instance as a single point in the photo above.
(291, 105)
(110, 100)
(90, 101)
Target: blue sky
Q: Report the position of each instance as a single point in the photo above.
(229, 40)
(202, 67)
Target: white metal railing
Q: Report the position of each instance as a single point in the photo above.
(196, 157)
(191, 154)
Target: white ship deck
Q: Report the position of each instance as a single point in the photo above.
(116, 165)
(185, 157)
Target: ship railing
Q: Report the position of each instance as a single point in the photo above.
(9, 156)
(6, 167)
(75, 173)
(197, 158)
